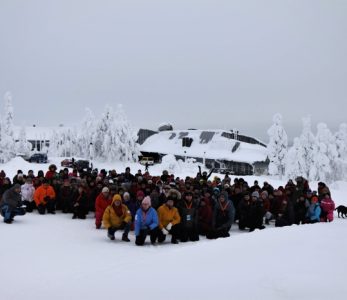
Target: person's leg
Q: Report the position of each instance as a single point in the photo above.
(51, 206)
(175, 231)
(161, 237)
(154, 234)
(140, 239)
(41, 208)
(6, 213)
(126, 232)
(110, 233)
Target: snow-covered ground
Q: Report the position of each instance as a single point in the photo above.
(55, 257)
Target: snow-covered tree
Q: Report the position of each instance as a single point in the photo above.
(325, 164)
(295, 162)
(277, 147)
(7, 142)
(103, 142)
(87, 135)
(308, 144)
(341, 147)
(128, 149)
(23, 146)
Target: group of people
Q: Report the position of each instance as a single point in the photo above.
(164, 206)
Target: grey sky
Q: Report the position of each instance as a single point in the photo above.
(198, 64)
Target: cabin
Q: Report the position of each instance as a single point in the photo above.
(225, 151)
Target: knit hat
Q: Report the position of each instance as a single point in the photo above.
(265, 193)
(140, 193)
(105, 189)
(147, 200)
(16, 186)
(117, 197)
(255, 194)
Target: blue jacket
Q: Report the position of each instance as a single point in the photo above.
(313, 212)
(145, 220)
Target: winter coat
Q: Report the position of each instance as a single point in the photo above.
(223, 215)
(101, 204)
(286, 217)
(168, 215)
(189, 214)
(42, 192)
(328, 207)
(11, 198)
(145, 220)
(80, 202)
(313, 212)
(205, 216)
(28, 190)
(111, 219)
(256, 214)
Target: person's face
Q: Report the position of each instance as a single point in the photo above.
(145, 205)
(170, 203)
(117, 203)
(189, 198)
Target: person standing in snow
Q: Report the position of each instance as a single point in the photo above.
(256, 213)
(146, 223)
(79, 203)
(28, 190)
(117, 216)
(10, 204)
(328, 207)
(188, 211)
(101, 203)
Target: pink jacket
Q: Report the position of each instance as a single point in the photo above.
(328, 207)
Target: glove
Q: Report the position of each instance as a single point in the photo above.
(169, 226)
(164, 231)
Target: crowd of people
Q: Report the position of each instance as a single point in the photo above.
(164, 206)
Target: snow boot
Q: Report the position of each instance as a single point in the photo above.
(125, 238)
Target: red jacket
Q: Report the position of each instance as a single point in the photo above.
(101, 204)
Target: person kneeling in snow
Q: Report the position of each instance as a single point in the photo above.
(223, 217)
(10, 204)
(146, 222)
(44, 198)
(117, 217)
(169, 220)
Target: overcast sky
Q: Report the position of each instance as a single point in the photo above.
(197, 64)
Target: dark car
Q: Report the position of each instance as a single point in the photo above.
(38, 158)
(78, 164)
(81, 164)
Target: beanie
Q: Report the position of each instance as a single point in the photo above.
(147, 200)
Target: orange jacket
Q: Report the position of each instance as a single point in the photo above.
(42, 192)
(168, 215)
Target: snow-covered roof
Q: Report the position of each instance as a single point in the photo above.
(209, 144)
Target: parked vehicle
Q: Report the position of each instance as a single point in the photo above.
(79, 164)
(38, 158)
(147, 160)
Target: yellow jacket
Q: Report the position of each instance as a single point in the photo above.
(168, 215)
(111, 219)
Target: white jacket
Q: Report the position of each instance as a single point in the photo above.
(27, 191)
